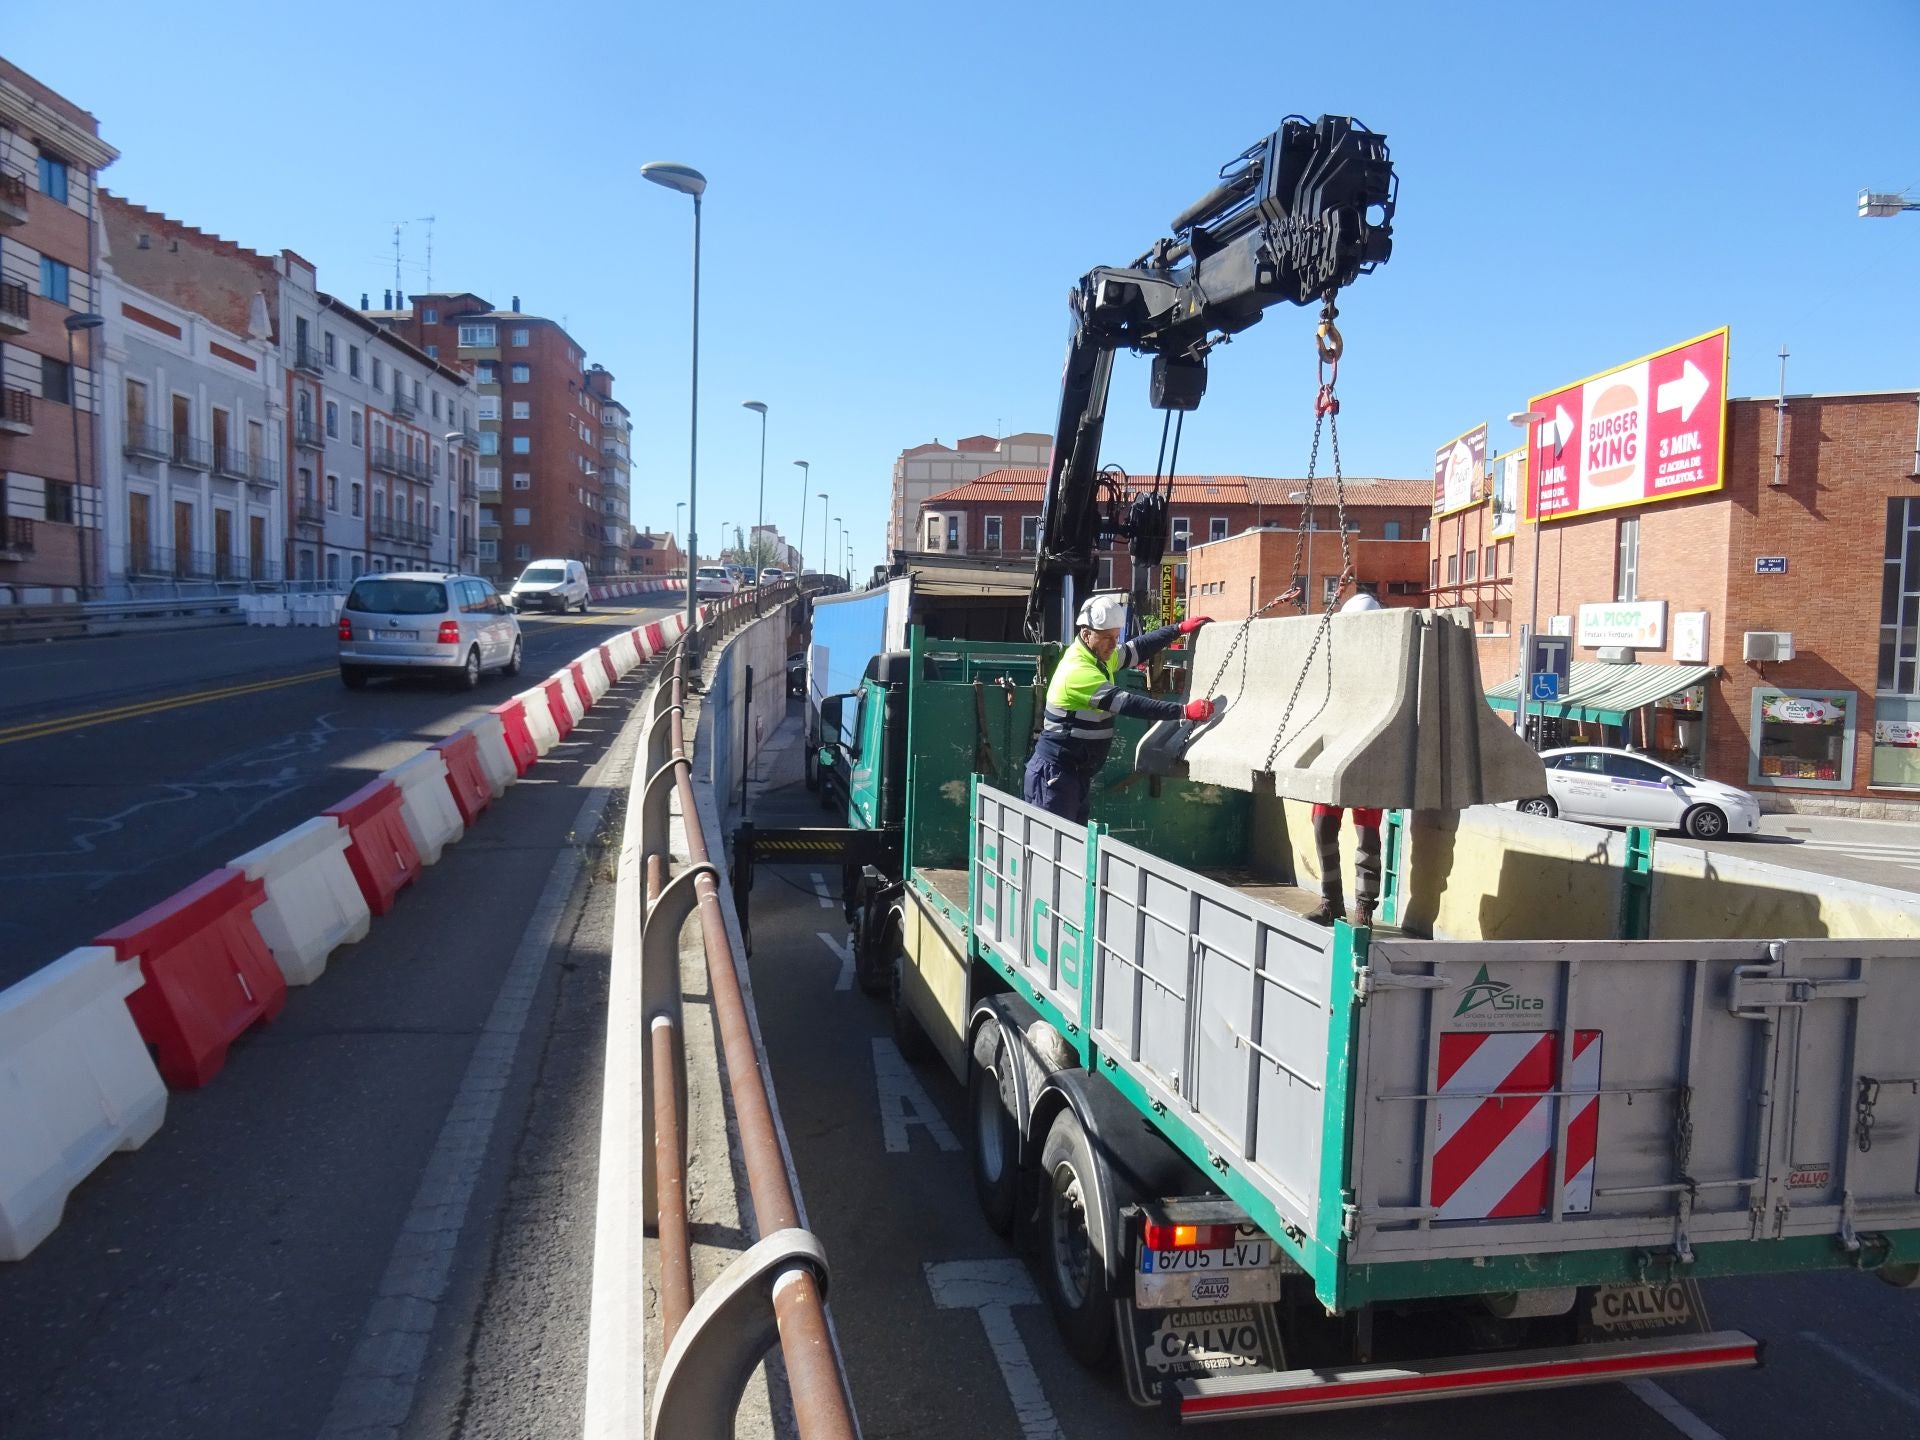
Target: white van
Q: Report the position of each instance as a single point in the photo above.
(556, 585)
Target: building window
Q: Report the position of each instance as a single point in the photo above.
(333, 363)
(489, 442)
(1803, 739)
(433, 353)
(59, 501)
(354, 426)
(1217, 528)
(483, 374)
(333, 493)
(1329, 589)
(1467, 566)
(54, 279)
(379, 376)
(522, 552)
(990, 534)
(522, 515)
(520, 339)
(1391, 530)
(353, 361)
(1105, 578)
(522, 445)
(1179, 534)
(1626, 570)
(333, 420)
(333, 568)
(436, 459)
(357, 492)
(522, 480)
(1453, 569)
(1486, 563)
(521, 374)
(953, 532)
(477, 335)
(1436, 572)
(523, 410)
(56, 381)
(1900, 600)
(933, 532)
(430, 316)
(1029, 532)
(53, 178)
(489, 407)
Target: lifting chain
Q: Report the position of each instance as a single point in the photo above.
(1863, 1104)
(1683, 1130)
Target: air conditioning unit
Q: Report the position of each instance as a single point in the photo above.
(1766, 645)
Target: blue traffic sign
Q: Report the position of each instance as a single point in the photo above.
(1546, 685)
(1551, 655)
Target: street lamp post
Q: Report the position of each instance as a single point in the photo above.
(1526, 420)
(806, 474)
(840, 537)
(454, 439)
(1881, 205)
(823, 530)
(679, 525)
(760, 512)
(1306, 584)
(82, 499)
(685, 180)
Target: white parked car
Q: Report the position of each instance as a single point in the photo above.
(714, 582)
(1618, 787)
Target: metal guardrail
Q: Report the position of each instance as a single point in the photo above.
(775, 1290)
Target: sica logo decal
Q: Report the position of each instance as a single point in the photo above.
(1486, 993)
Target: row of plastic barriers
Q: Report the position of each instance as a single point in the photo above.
(309, 610)
(90, 1044)
(620, 589)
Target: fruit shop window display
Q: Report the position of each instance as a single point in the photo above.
(1803, 738)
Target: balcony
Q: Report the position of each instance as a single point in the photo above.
(403, 532)
(158, 562)
(489, 532)
(308, 434)
(13, 198)
(190, 453)
(414, 468)
(262, 473)
(469, 490)
(308, 357)
(16, 537)
(16, 310)
(386, 460)
(404, 405)
(309, 511)
(229, 463)
(149, 442)
(16, 412)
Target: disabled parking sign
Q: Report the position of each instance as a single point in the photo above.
(1546, 686)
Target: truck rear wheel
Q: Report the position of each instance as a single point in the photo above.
(875, 938)
(995, 1137)
(1073, 1248)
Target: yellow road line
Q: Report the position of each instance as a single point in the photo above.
(58, 724)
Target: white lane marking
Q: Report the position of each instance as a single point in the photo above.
(1861, 1368)
(903, 1101)
(820, 889)
(844, 949)
(376, 1395)
(1672, 1411)
(994, 1287)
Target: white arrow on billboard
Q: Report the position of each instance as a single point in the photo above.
(1683, 394)
(1560, 429)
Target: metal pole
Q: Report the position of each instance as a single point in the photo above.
(760, 512)
(79, 490)
(823, 531)
(806, 476)
(693, 463)
(1533, 615)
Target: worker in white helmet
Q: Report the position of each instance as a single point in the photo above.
(1082, 701)
(1366, 825)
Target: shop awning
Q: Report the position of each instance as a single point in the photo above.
(1606, 694)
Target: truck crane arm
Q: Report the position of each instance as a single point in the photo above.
(1294, 218)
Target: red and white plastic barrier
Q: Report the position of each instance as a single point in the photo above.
(76, 1084)
(380, 852)
(496, 757)
(591, 671)
(517, 734)
(313, 903)
(563, 700)
(537, 709)
(210, 977)
(433, 820)
(467, 780)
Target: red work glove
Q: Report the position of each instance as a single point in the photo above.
(1199, 709)
(1187, 627)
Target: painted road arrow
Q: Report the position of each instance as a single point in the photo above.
(1683, 394)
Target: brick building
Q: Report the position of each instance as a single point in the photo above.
(999, 514)
(50, 155)
(1233, 578)
(657, 554)
(1818, 557)
(616, 460)
(541, 432)
(923, 471)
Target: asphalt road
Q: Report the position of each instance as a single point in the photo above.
(376, 1223)
(900, 1222)
(1877, 852)
(131, 766)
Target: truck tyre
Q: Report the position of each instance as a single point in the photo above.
(813, 769)
(995, 1138)
(1703, 822)
(1073, 1265)
(907, 1033)
(873, 952)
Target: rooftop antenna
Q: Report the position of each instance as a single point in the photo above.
(398, 227)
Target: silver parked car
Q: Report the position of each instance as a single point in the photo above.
(1619, 787)
(419, 620)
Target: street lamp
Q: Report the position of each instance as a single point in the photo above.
(760, 514)
(840, 542)
(823, 529)
(1526, 420)
(806, 475)
(454, 439)
(685, 180)
(1881, 205)
(679, 525)
(82, 501)
(1306, 585)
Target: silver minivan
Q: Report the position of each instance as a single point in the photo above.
(422, 620)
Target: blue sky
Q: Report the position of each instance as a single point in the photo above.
(901, 197)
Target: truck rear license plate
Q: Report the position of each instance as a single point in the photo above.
(1242, 1255)
(1245, 1273)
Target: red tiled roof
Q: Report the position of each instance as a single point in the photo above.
(1025, 483)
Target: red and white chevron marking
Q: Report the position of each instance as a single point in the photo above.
(1491, 1153)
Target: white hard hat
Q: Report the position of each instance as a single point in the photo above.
(1360, 601)
(1105, 611)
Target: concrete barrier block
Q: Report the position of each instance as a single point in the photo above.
(539, 715)
(313, 903)
(76, 1084)
(433, 820)
(496, 758)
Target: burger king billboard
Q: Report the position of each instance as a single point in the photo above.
(1653, 429)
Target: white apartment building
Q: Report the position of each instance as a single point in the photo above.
(923, 471)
